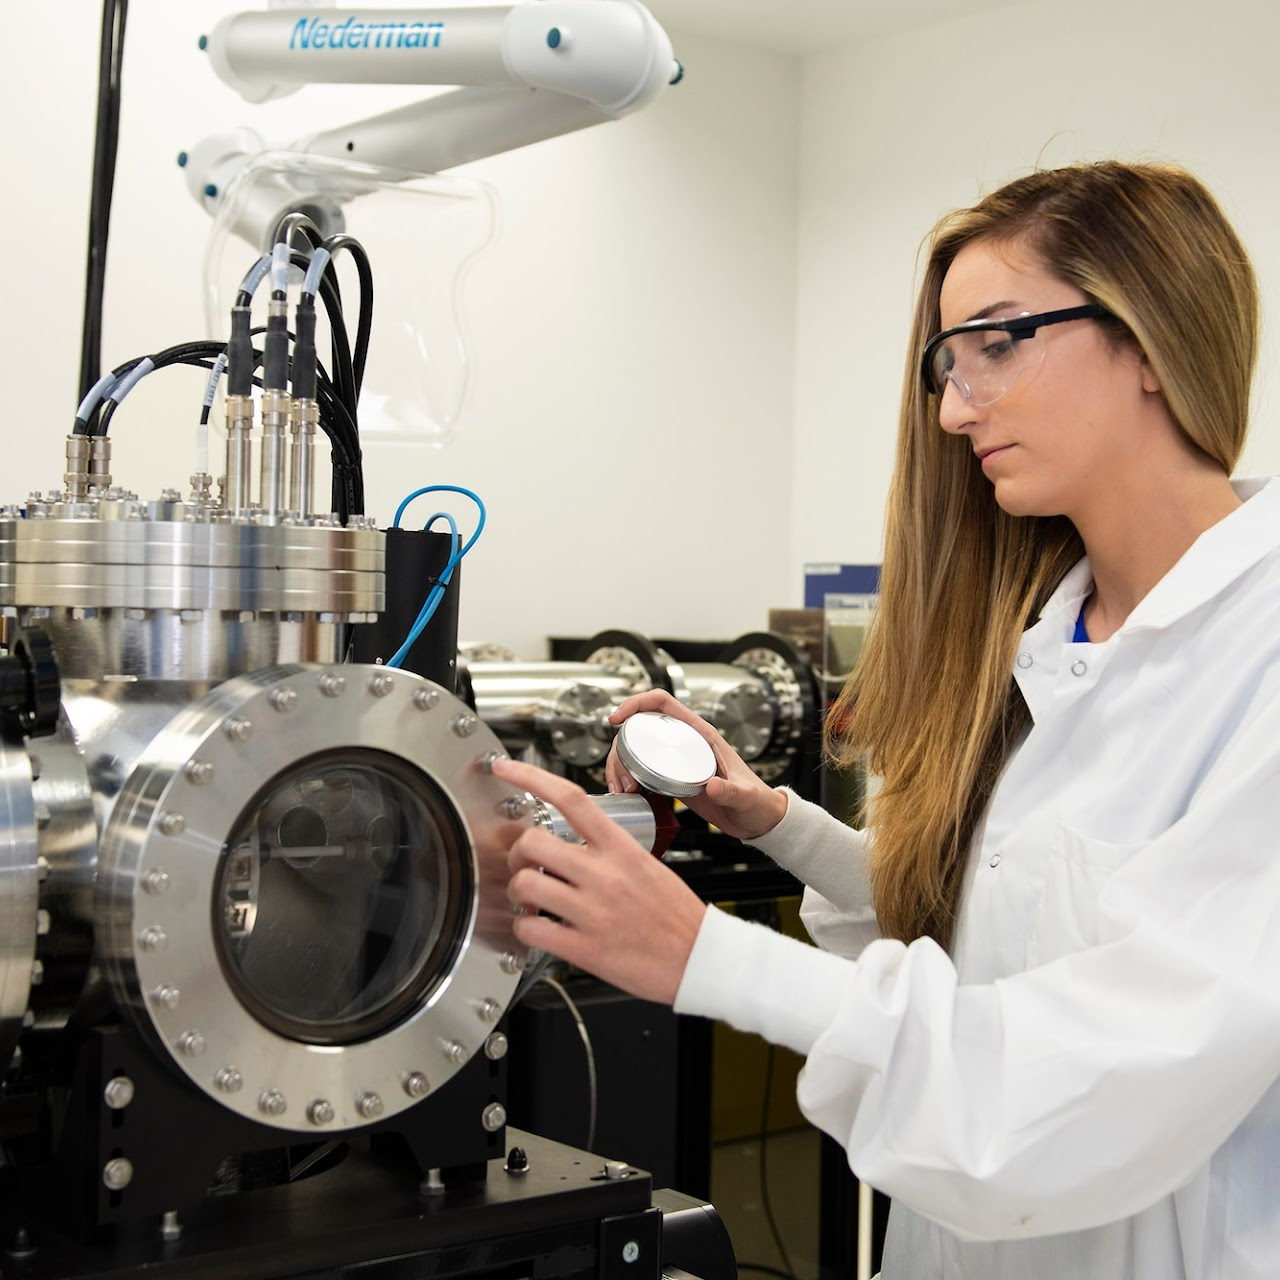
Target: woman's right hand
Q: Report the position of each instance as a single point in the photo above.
(735, 800)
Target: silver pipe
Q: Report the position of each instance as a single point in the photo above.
(239, 411)
(306, 414)
(632, 813)
(271, 468)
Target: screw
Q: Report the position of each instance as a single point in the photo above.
(416, 1085)
(170, 1227)
(495, 1047)
(425, 699)
(167, 997)
(493, 1117)
(369, 1105)
(156, 881)
(272, 1102)
(152, 939)
(320, 1112)
(489, 759)
(380, 685)
(282, 700)
(456, 1053)
(192, 1043)
(489, 1010)
(42, 867)
(118, 1092)
(510, 963)
(43, 922)
(330, 685)
(237, 729)
(117, 1174)
(515, 806)
(229, 1080)
(630, 1251)
(464, 726)
(173, 824)
(198, 772)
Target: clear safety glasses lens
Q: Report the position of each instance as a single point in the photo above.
(982, 363)
(984, 360)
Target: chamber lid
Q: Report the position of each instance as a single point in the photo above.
(666, 755)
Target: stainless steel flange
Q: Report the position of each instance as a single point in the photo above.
(301, 893)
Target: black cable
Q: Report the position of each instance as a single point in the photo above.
(364, 324)
(106, 145)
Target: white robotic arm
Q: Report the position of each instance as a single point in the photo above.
(528, 71)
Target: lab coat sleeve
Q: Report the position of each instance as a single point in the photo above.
(1072, 1094)
(830, 857)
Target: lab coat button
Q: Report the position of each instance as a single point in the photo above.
(1078, 668)
(995, 860)
(1024, 660)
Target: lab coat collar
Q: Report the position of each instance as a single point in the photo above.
(1216, 559)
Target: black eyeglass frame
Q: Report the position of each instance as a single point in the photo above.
(1019, 328)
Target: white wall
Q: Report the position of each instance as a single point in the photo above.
(633, 327)
(902, 128)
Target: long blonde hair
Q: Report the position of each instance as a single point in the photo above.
(932, 707)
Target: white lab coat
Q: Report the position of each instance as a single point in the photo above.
(1087, 1089)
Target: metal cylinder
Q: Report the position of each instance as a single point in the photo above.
(302, 461)
(239, 453)
(736, 700)
(100, 462)
(76, 476)
(271, 466)
(632, 813)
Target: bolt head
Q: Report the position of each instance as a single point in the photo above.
(198, 772)
(229, 1080)
(381, 684)
(44, 922)
(153, 939)
(456, 1053)
(510, 963)
(272, 1102)
(321, 1112)
(496, 1046)
(283, 700)
(173, 824)
(425, 699)
(156, 881)
(416, 1085)
(192, 1043)
(493, 1117)
(489, 1010)
(369, 1105)
(464, 726)
(167, 997)
(238, 729)
(117, 1174)
(330, 685)
(118, 1092)
(515, 806)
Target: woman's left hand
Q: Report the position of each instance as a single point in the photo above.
(619, 912)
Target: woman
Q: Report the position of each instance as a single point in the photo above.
(1046, 1018)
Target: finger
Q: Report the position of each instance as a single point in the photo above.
(545, 934)
(585, 817)
(616, 776)
(650, 700)
(536, 891)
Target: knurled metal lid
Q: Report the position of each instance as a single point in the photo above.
(665, 755)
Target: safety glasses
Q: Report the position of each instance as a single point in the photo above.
(984, 358)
